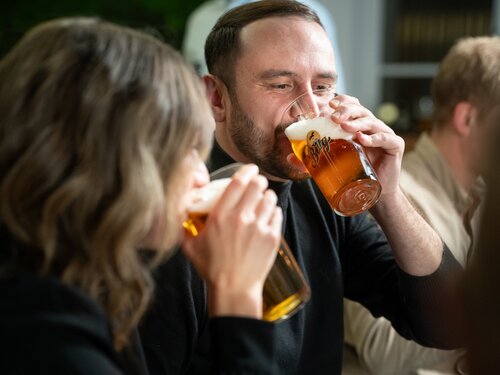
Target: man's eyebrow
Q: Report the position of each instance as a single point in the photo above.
(329, 75)
(277, 73)
(274, 73)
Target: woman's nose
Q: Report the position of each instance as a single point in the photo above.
(201, 175)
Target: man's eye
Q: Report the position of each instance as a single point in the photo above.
(281, 86)
(323, 87)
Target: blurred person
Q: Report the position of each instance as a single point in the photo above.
(103, 132)
(442, 176)
(483, 276)
(261, 56)
(204, 17)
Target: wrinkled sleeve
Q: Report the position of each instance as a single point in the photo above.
(418, 307)
(431, 301)
(382, 350)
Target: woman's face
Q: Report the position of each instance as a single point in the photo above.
(193, 174)
(167, 232)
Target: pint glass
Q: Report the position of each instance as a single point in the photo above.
(337, 164)
(285, 289)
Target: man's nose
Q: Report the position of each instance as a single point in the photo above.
(304, 107)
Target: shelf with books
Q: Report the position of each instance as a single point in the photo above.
(417, 35)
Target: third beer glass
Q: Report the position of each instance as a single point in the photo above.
(285, 289)
(337, 164)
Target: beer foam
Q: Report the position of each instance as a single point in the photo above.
(298, 130)
(204, 198)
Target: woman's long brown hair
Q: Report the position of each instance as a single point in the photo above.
(95, 120)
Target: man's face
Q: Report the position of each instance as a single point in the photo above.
(281, 58)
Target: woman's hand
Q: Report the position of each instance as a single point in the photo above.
(238, 245)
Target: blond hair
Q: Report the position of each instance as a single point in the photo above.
(95, 120)
(469, 72)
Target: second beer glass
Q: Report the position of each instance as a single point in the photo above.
(285, 289)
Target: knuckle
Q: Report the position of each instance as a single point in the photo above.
(382, 137)
(246, 218)
(258, 182)
(262, 227)
(216, 219)
(237, 183)
(386, 128)
(263, 181)
(271, 197)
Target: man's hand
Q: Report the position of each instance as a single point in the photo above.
(383, 147)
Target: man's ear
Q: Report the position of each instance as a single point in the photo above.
(464, 118)
(217, 96)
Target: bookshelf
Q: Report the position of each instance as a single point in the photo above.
(416, 34)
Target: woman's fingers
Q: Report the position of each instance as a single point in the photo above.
(251, 195)
(233, 193)
(276, 223)
(265, 209)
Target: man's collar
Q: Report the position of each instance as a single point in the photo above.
(218, 158)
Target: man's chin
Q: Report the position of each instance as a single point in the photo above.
(294, 169)
(298, 175)
(284, 172)
(295, 163)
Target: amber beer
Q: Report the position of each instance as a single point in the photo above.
(203, 201)
(285, 289)
(337, 164)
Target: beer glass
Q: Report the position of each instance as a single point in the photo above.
(337, 164)
(285, 289)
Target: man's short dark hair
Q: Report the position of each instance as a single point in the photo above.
(223, 45)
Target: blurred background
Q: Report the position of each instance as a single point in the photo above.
(389, 48)
(167, 17)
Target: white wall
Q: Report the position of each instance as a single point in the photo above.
(359, 28)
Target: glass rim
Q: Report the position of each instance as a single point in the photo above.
(306, 113)
(225, 171)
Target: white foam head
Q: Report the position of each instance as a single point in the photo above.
(326, 128)
(205, 197)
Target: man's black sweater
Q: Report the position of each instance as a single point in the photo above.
(340, 257)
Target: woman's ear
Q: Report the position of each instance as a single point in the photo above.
(464, 118)
(217, 97)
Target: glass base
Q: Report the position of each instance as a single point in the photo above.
(288, 307)
(356, 197)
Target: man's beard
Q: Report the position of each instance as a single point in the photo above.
(253, 143)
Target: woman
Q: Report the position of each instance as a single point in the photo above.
(103, 132)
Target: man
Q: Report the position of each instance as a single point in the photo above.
(442, 177)
(260, 56)
(203, 18)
